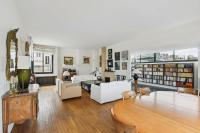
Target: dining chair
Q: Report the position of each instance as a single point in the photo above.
(122, 127)
(128, 95)
(185, 90)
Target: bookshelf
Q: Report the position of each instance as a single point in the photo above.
(158, 73)
(185, 75)
(169, 74)
(148, 73)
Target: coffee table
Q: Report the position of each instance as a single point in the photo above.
(87, 84)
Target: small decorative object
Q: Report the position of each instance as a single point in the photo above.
(117, 65)
(110, 63)
(125, 55)
(86, 60)
(117, 56)
(109, 51)
(68, 60)
(32, 78)
(124, 65)
(12, 84)
(16, 84)
(27, 45)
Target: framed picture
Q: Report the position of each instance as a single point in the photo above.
(117, 56)
(86, 60)
(124, 55)
(117, 65)
(110, 63)
(124, 65)
(68, 60)
(110, 56)
(109, 51)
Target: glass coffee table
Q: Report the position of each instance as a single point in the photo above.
(87, 84)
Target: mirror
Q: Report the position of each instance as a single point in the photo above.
(12, 50)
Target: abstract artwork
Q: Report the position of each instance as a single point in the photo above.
(117, 65)
(124, 65)
(117, 56)
(110, 63)
(124, 55)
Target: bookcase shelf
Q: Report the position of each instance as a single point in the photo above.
(169, 74)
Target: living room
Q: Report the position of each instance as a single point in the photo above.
(99, 66)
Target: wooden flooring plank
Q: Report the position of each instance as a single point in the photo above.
(76, 115)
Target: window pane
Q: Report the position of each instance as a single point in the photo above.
(38, 62)
(186, 54)
(164, 56)
(147, 57)
(47, 62)
(136, 59)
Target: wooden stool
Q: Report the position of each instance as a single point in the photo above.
(128, 95)
(144, 91)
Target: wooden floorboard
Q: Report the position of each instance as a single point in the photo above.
(78, 115)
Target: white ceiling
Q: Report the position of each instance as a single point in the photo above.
(96, 23)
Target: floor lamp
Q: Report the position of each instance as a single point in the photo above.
(136, 72)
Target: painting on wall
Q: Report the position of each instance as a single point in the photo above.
(110, 56)
(100, 62)
(117, 56)
(110, 63)
(109, 51)
(124, 65)
(86, 60)
(124, 55)
(68, 60)
(117, 65)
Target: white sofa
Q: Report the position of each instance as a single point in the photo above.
(108, 92)
(67, 90)
(79, 78)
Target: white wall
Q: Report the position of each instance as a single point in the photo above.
(9, 20)
(77, 55)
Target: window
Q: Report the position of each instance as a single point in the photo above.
(186, 54)
(147, 57)
(165, 56)
(43, 62)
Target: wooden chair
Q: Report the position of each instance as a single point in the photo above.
(122, 127)
(185, 90)
(128, 95)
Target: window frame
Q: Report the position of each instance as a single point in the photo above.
(43, 59)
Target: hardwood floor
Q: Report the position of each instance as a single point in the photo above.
(78, 115)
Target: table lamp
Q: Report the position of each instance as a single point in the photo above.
(66, 74)
(23, 71)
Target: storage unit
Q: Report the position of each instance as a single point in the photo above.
(169, 74)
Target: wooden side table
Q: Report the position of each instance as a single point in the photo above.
(18, 107)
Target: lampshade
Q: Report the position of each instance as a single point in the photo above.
(136, 71)
(66, 73)
(23, 62)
